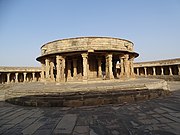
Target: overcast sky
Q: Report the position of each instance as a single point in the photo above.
(25, 25)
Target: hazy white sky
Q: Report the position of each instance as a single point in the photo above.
(25, 25)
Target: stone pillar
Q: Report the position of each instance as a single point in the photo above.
(33, 75)
(99, 68)
(162, 71)
(69, 69)
(52, 70)
(16, 79)
(138, 71)
(24, 77)
(170, 71)
(126, 65)
(145, 71)
(8, 77)
(60, 61)
(74, 68)
(109, 64)
(58, 68)
(63, 69)
(2, 78)
(132, 67)
(154, 71)
(47, 68)
(85, 66)
(122, 65)
(178, 69)
(42, 71)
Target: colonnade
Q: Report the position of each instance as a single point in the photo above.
(84, 66)
(16, 77)
(157, 70)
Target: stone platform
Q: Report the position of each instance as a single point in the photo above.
(89, 93)
(160, 116)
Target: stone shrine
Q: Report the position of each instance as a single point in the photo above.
(86, 58)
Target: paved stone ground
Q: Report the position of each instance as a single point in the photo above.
(154, 117)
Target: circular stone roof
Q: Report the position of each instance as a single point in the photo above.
(83, 44)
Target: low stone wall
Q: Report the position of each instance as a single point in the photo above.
(88, 98)
(85, 94)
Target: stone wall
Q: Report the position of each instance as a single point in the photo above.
(86, 43)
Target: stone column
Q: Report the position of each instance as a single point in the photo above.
(74, 68)
(162, 71)
(33, 75)
(126, 65)
(63, 69)
(99, 68)
(47, 68)
(42, 71)
(170, 71)
(2, 79)
(178, 69)
(68, 69)
(132, 66)
(16, 79)
(122, 65)
(8, 77)
(145, 71)
(154, 71)
(58, 68)
(52, 70)
(85, 66)
(24, 77)
(109, 64)
(138, 71)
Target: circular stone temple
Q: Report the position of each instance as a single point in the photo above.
(87, 58)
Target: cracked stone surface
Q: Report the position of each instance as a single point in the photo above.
(152, 117)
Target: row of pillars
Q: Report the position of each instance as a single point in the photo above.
(7, 79)
(48, 66)
(127, 66)
(154, 70)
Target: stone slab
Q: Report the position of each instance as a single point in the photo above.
(66, 125)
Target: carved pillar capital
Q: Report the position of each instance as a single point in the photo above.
(84, 55)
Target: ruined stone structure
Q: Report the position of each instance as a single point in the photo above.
(19, 74)
(86, 58)
(90, 58)
(166, 69)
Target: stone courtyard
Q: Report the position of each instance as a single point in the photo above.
(159, 116)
